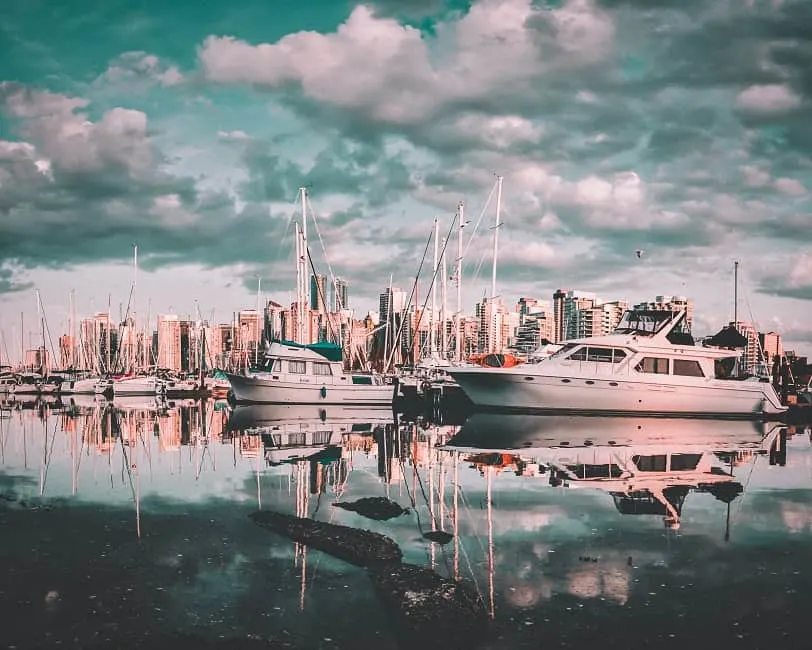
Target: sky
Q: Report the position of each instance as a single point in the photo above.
(678, 128)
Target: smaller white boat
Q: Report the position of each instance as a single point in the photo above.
(314, 374)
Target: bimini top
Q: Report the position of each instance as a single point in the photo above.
(329, 351)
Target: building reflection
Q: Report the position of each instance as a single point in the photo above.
(457, 481)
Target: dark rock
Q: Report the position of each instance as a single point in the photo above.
(428, 610)
(358, 547)
(439, 536)
(378, 508)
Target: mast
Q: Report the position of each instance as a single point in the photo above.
(432, 317)
(496, 233)
(297, 336)
(305, 274)
(42, 363)
(458, 320)
(736, 294)
(132, 329)
(107, 332)
(22, 342)
(259, 336)
(443, 304)
(72, 329)
(388, 323)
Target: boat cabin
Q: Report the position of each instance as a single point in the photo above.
(320, 362)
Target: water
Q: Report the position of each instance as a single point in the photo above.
(127, 526)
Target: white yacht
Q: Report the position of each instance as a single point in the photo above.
(636, 370)
(314, 374)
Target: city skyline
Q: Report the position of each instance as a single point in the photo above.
(633, 165)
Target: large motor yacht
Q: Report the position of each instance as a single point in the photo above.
(312, 374)
(647, 366)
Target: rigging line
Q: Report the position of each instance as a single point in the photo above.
(47, 329)
(479, 220)
(49, 455)
(396, 342)
(321, 294)
(413, 501)
(114, 363)
(323, 250)
(433, 280)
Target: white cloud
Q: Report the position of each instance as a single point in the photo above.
(790, 186)
(770, 98)
(397, 75)
(233, 135)
(753, 176)
(66, 139)
(501, 131)
(138, 68)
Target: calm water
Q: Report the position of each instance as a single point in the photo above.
(126, 526)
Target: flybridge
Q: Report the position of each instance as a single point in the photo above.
(649, 322)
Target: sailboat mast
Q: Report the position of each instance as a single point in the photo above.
(297, 335)
(496, 233)
(305, 272)
(107, 332)
(736, 293)
(432, 317)
(443, 303)
(458, 321)
(132, 329)
(42, 363)
(259, 336)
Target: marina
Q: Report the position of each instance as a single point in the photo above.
(426, 324)
(554, 523)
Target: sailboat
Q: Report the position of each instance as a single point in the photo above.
(303, 373)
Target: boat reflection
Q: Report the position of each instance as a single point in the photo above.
(647, 466)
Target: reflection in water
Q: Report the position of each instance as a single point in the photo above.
(539, 509)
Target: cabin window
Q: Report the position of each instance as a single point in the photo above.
(688, 368)
(654, 463)
(321, 369)
(723, 368)
(362, 379)
(654, 365)
(297, 367)
(564, 351)
(602, 355)
(684, 462)
(272, 365)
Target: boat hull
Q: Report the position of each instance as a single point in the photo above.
(261, 391)
(137, 386)
(509, 390)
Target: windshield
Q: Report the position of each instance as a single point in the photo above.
(643, 322)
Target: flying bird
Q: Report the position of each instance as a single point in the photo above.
(639, 253)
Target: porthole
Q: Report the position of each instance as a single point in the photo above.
(590, 382)
(528, 378)
(613, 383)
(566, 381)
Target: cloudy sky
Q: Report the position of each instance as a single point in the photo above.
(677, 127)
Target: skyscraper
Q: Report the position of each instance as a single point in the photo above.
(318, 293)
(169, 355)
(339, 295)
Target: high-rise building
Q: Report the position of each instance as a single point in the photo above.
(491, 316)
(169, 349)
(559, 329)
(392, 301)
(578, 325)
(318, 293)
(273, 321)
(67, 351)
(340, 298)
(751, 355)
(249, 329)
(771, 345)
